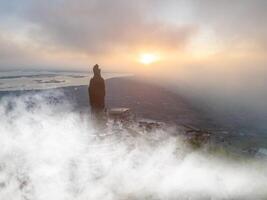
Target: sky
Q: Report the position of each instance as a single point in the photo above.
(73, 35)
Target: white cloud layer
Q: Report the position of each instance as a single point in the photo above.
(48, 151)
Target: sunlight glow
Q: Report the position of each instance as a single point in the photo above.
(148, 58)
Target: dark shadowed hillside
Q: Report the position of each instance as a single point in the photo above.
(150, 101)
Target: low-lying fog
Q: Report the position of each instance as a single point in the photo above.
(49, 151)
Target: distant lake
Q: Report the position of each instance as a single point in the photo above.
(38, 80)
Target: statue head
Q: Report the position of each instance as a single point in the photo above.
(96, 70)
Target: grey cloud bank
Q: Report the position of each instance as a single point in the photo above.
(90, 27)
(94, 28)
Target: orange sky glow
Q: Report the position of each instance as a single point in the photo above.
(131, 36)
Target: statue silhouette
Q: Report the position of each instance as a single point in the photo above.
(97, 91)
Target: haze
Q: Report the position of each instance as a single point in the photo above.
(213, 48)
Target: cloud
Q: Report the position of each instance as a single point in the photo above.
(49, 151)
(104, 30)
(89, 29)
(102, 26)
(237, 21)
(12, 53)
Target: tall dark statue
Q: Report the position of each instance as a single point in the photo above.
(97, 91)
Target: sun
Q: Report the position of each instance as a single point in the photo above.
(148, 58)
